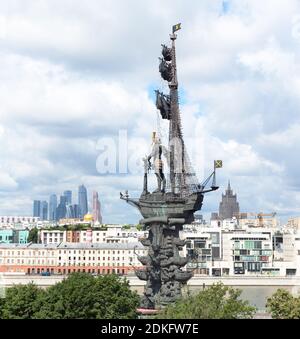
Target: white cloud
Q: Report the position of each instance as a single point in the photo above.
(72, 72)
(7, 183)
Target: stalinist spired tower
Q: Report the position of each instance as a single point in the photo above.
(229, 207)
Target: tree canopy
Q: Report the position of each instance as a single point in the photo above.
(33, 235)
(21, 302)
(215, 302)
(282, 305)
(80, 296)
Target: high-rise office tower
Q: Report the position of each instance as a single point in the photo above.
(36, 208)
(44, 210)
(82, 201)
(229, 207)
(73, 211)
(61, 210)
(76, 211)
(96, 208)
(69, 211)
(52, 207)
(68, 195)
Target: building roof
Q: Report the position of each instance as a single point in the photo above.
(122, 246)
(118, 246)
(33, 246)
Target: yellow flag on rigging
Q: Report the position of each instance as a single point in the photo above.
(218, 163)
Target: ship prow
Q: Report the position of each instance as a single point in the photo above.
(167, 206)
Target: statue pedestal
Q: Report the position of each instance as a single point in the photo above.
(145, 313)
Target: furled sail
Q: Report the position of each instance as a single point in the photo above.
(167, 53)
(165, 70)
(163, 104)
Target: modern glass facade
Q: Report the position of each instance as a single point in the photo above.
(250, 255)
(52, 207)
(44, 210)
(61, 210)
(82, 201)
(73, 211)
(36, 208)
(68, 195)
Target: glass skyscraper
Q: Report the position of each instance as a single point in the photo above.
(61, 210)
(52, 207)
(96, 208)
(73, 211)
(82, 201)
(36, 208)
(68, 195)
(44, 210)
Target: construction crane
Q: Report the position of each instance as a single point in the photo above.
(260, 216)
(241, 215)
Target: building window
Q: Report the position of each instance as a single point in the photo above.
(291, 271)
(254, 266)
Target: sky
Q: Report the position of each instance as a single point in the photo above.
(76, 77)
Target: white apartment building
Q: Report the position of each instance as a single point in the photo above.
(203, 247)
(294, 223)
(229, 251)
(9, 222)
(289, 261)
(66, 258)
(107, 235)
(249, 251)
(272, 223)
(18, 219)
(48, 237)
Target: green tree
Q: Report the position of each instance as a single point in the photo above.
(282, 305)
(21, 302)
(33, 235)
(215, 302)
(126, 227)
(139, 227)
(2, 300)
(82, 296)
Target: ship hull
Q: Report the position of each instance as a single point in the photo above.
(168, 206)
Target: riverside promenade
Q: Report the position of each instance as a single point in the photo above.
(197, 282)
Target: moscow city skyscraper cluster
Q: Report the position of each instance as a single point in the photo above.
(64, 208)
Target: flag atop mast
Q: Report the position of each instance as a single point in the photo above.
(176, 28)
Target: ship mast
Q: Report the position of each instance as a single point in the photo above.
(176, 143)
